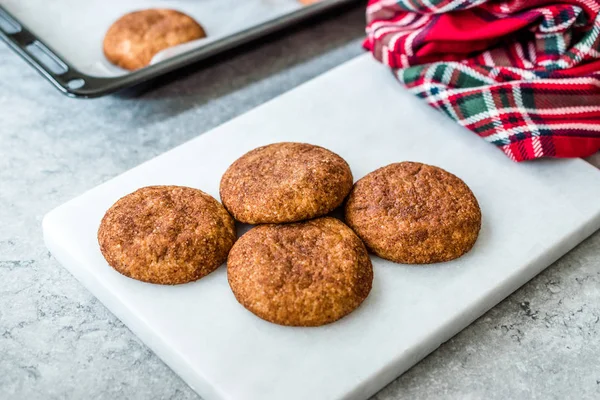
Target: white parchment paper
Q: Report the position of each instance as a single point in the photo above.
(75, 29)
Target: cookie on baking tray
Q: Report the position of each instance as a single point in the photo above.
(414, 213)
(135, 38)
(302, 274)
(166, 234)
(285, 182)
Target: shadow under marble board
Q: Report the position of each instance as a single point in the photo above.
(532, 214)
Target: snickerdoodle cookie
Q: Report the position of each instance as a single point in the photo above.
(285, 182)
(135, 38)
(414, 213)
(166, 234)
(303, 274)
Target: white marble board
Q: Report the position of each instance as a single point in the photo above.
(532, 214)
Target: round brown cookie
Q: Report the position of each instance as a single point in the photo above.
(166, 234)
(414, 213)
(304, 274)
(135, 38)
(285, 182)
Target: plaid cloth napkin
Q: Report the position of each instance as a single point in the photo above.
(522, 74)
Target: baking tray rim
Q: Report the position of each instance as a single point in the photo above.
(74, 83)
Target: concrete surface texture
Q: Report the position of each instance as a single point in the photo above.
(58, 342)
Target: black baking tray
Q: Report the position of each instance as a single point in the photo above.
(74, 83)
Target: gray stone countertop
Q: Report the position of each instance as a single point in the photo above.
(58, 342)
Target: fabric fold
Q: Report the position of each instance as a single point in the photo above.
(522, 74)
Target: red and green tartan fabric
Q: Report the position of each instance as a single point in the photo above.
(522, 74)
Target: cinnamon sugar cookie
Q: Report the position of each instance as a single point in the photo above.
(303, 274)
(285, 182)
(414, 213)
(166, 234)
(135, 38)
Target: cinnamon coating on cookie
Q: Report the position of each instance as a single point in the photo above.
(285, 182)
(303, 274)
(166, 235)
(414, 213)
(135, 38)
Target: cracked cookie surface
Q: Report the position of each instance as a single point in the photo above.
(285, 182)
(166, 234)
(303, 274)
(135, 38)
(414, 213)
